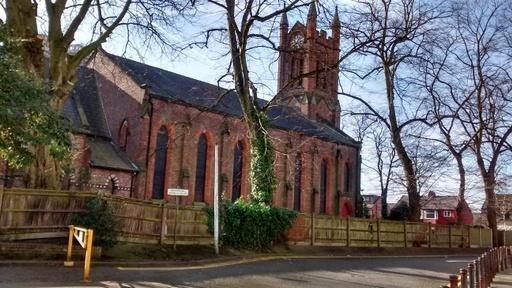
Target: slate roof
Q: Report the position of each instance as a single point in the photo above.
(205, 96)
(85, 111)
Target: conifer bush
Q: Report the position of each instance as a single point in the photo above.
(99, 216)
(247, 224)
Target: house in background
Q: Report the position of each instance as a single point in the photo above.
(445, 210)
(374, 205)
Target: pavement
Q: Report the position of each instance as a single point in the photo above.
(503, 279)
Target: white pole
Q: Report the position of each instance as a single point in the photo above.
(216, 202)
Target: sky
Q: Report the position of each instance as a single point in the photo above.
(208, 64)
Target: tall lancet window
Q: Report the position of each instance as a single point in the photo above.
(202, 150)
(323, 186)
(297, 185)
(236, 190)
(160, 163)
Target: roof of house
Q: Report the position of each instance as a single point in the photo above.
(370, 199)
(434, 202)
(84, 110)
(206, 96)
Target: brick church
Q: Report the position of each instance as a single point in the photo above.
(140, 130)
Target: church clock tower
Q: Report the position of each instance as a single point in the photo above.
(308, 68)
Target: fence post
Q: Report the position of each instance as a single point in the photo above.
(348, 231)
(163, 224)
(480, 235)
(463, 278)
(68, 262)
(88, 255)
(449, 236)
(378, 233)
(469, 236)
(471, 274)
(429, 235)
(405, 234)
(1, 198)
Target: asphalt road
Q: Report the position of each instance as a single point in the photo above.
(288, 273)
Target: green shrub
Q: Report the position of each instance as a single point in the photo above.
(251, 225)
(99, 216)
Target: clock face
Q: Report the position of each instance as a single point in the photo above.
(297, 41)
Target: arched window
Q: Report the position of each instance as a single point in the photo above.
(347, 177)
(123, 135)
(202, 150)
(323, 186)
(297, 183)
(236, 190)
(160, 163)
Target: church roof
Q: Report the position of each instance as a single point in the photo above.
(85, 111)
(205, 96)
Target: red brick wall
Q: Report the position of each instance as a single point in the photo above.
(185, 124)
(212, 125)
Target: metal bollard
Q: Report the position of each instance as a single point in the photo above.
(471, 270)
(454, 281)
(477, 273)
(463, 278)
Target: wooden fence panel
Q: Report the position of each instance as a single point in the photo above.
(330, 230)
(43, 211)
(391, 233)
(417, 234)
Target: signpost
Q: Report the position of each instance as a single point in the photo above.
(84, 237)
(177, 192)
(216, 202)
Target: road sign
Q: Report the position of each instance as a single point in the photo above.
(177, 192)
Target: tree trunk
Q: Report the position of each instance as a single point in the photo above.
(407, 165)
(21, 24)
(384, 203)
(44, 172)
(261, 174)
(489, 185)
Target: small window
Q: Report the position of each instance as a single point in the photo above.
(430, 214)
(447, 213)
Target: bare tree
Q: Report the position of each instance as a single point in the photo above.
(472, 82)
(381, 159)
(394, 32)
(62, 19)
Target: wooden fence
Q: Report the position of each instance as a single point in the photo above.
(356, 232)
(30, 214)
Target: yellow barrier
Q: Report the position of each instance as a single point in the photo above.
(84, 237)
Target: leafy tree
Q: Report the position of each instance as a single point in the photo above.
(26, 118)
(55, 57)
